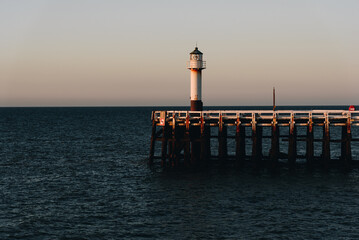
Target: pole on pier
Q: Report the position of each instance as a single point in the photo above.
(292, 144)
(274, 99)
(310, 141)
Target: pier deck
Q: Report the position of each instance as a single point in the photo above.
(186, 136)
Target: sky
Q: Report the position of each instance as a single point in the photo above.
(134, 53)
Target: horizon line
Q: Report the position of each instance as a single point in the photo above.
(161, 106)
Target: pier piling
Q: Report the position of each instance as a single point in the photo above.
(326, 142)
(240, 143)
(222, 140)
(292, 142)
(310, 141)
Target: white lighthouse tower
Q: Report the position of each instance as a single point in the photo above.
(196, 64)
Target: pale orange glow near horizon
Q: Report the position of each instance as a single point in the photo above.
(110, 53)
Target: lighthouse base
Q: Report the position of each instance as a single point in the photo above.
(196, 105)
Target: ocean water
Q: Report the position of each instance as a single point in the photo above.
(81, 173)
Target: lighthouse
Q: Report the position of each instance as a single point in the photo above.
(196, 64)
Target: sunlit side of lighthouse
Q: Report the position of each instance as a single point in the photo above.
(196, 64)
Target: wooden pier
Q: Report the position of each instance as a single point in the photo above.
(197, 138)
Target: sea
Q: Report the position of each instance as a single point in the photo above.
(82, 173)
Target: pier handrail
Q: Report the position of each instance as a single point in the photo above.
(261, 114)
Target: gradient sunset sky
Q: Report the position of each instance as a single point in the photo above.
(134, 53)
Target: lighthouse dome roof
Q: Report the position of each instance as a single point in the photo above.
(196, 51)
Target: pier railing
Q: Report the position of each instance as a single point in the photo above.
(335, 117)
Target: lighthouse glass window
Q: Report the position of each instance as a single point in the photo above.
(195, 57)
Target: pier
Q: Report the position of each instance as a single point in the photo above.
(198, 138)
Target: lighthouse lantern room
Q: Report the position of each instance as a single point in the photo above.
(196, 64)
